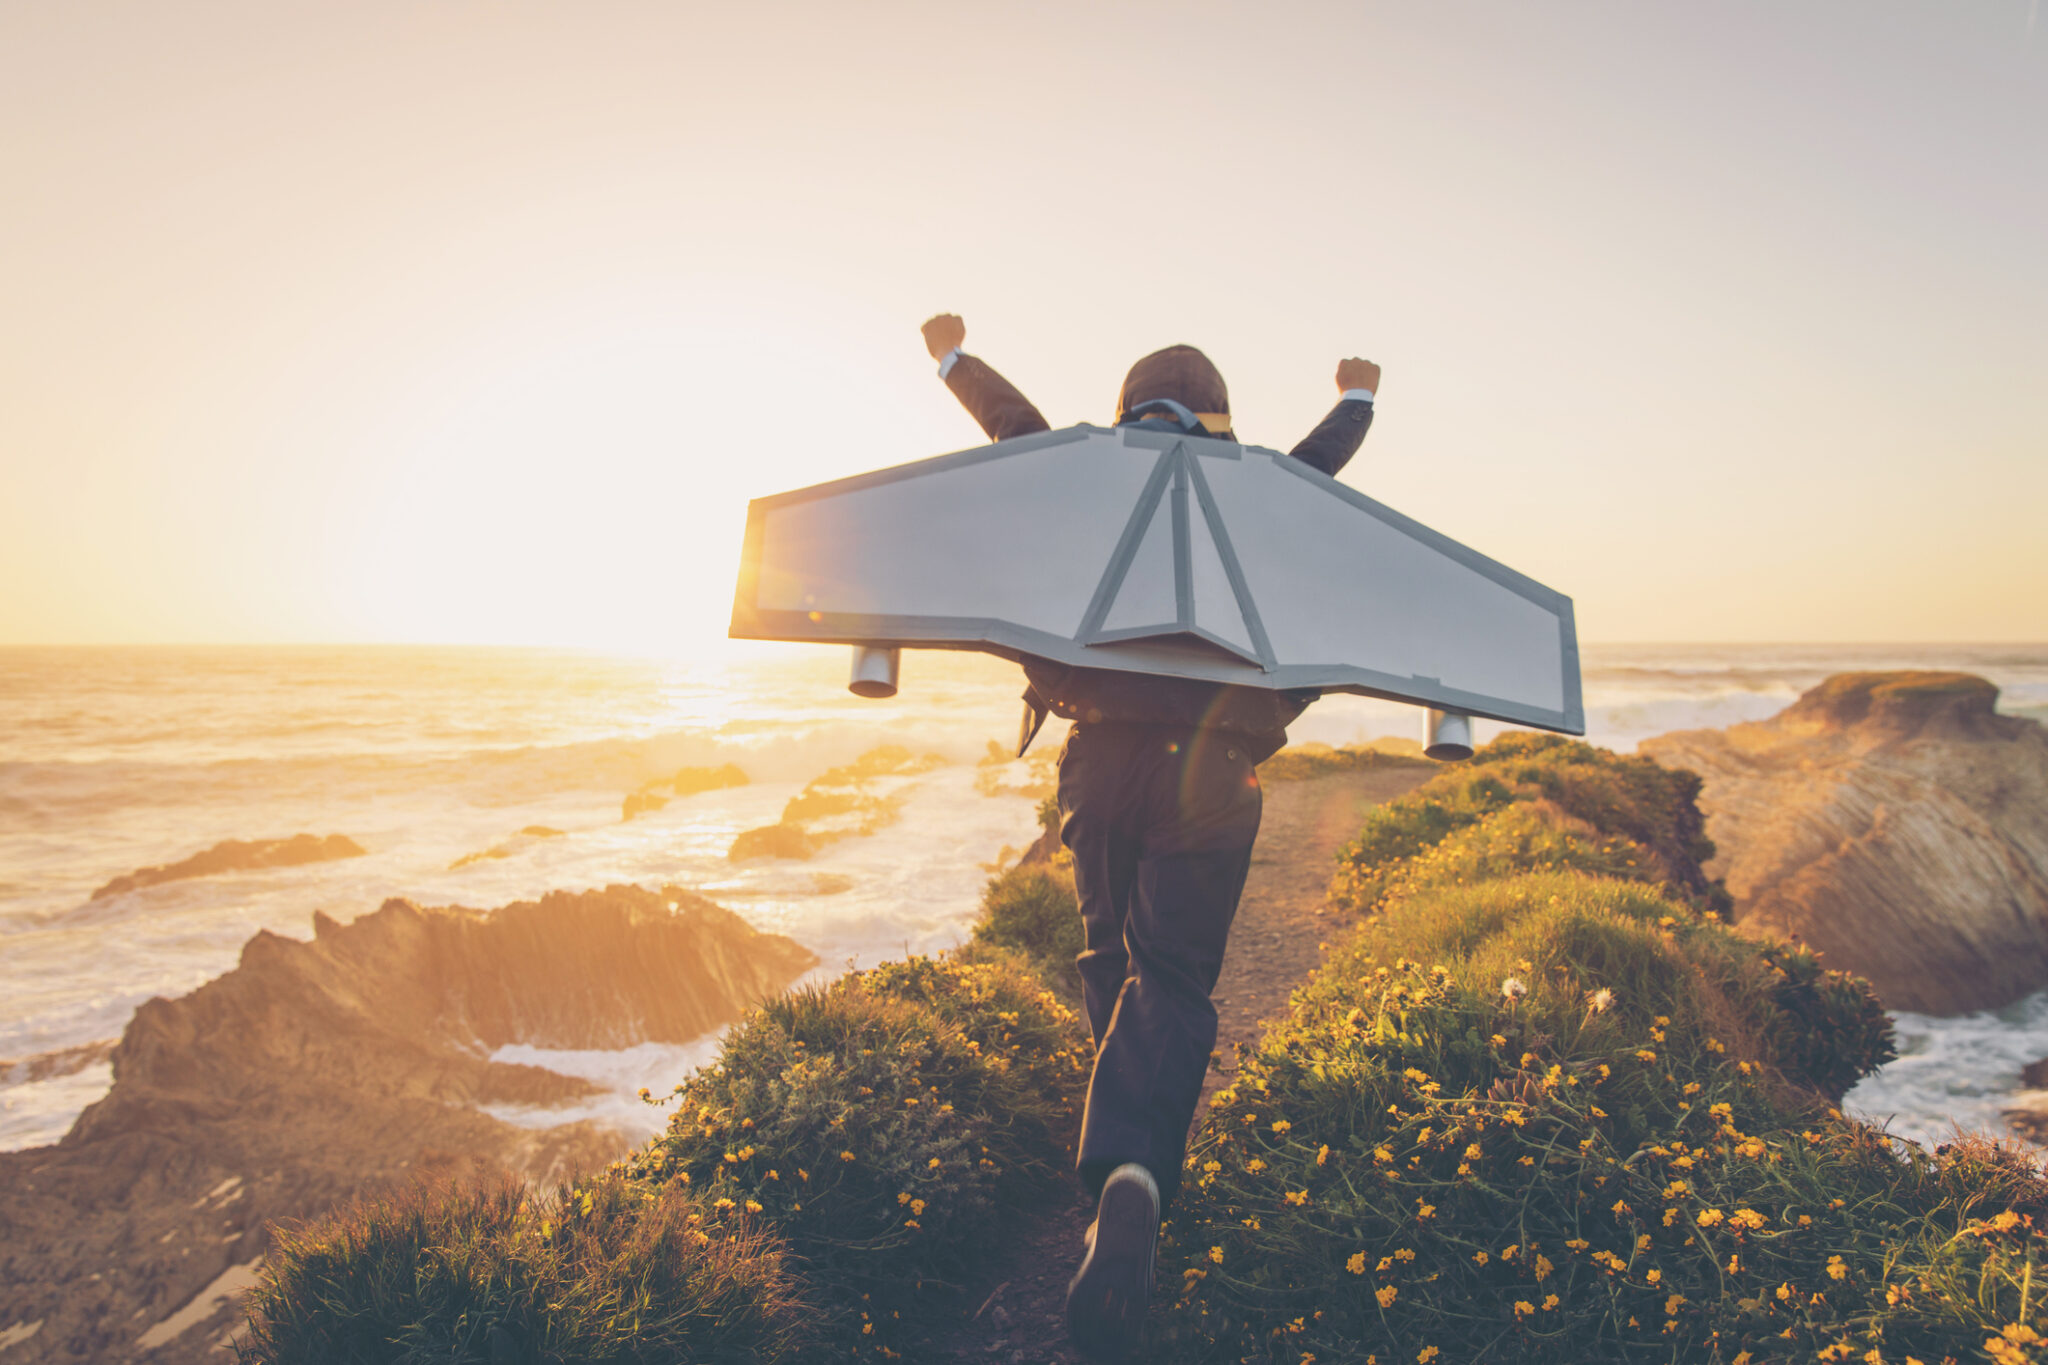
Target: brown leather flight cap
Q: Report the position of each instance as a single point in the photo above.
(1180, 373)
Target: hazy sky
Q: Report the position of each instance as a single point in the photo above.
(444, 321)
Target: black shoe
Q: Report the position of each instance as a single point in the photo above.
(1109, 1294)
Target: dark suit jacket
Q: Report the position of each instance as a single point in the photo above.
(1003, 412)
(1095, 695)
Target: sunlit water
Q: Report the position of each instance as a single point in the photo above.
(113, 759)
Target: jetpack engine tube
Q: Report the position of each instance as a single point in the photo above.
(1446, 736)
(875, 671)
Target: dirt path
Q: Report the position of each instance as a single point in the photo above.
(1012, 1314)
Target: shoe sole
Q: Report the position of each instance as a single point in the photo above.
(1109, 1295)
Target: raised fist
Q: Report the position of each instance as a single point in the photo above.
(946, 331)
(1351, 374)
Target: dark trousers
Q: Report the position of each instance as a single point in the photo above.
(1160, 823)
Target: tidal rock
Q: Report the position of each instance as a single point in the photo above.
(641, 803)
(1894, 821)
(772, 841)
(690, 781)
(239, 855)
(850, 801)
(518, 843)
(316, 1071)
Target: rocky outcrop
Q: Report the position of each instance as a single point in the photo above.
(841, 803)
(316, 1070)
(518, 843)
(642, 803)
(687, 782)
(239, 855)
(1894, 821)
(47, 1066)
(690, 781)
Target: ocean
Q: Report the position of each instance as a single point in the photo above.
(116, 758)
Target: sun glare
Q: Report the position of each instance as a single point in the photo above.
(582, 478)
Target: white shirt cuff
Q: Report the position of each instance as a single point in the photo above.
(948, 361)
(1350, 395)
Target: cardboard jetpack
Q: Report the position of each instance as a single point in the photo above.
(1154, 552)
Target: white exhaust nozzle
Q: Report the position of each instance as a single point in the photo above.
(1446, 735)
(875, 671)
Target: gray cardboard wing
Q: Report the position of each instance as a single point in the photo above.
(1131, 549)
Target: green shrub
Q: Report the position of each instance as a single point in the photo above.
(1032, 908)
(854, 1146)
(1658, 807)
(1611, 796)
(1541, 1107)
(882, 1123)
(486, 1272)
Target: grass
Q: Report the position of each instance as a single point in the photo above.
(490, 1272)
(1539, 1104)
(882, 1123)
(1544, 1105)
(1032, 909)
(831, 1178)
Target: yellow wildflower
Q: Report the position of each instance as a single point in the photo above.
(1836, 1270)
(1523, 1308)
(1216, 1255)
(1356, 1265)
(1386, 1294)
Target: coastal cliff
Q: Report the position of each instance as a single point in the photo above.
(317, 1070)
(1895, 822)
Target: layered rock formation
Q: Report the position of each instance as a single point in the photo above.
(314, 1071)
(1896, 822)
(239, 855)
